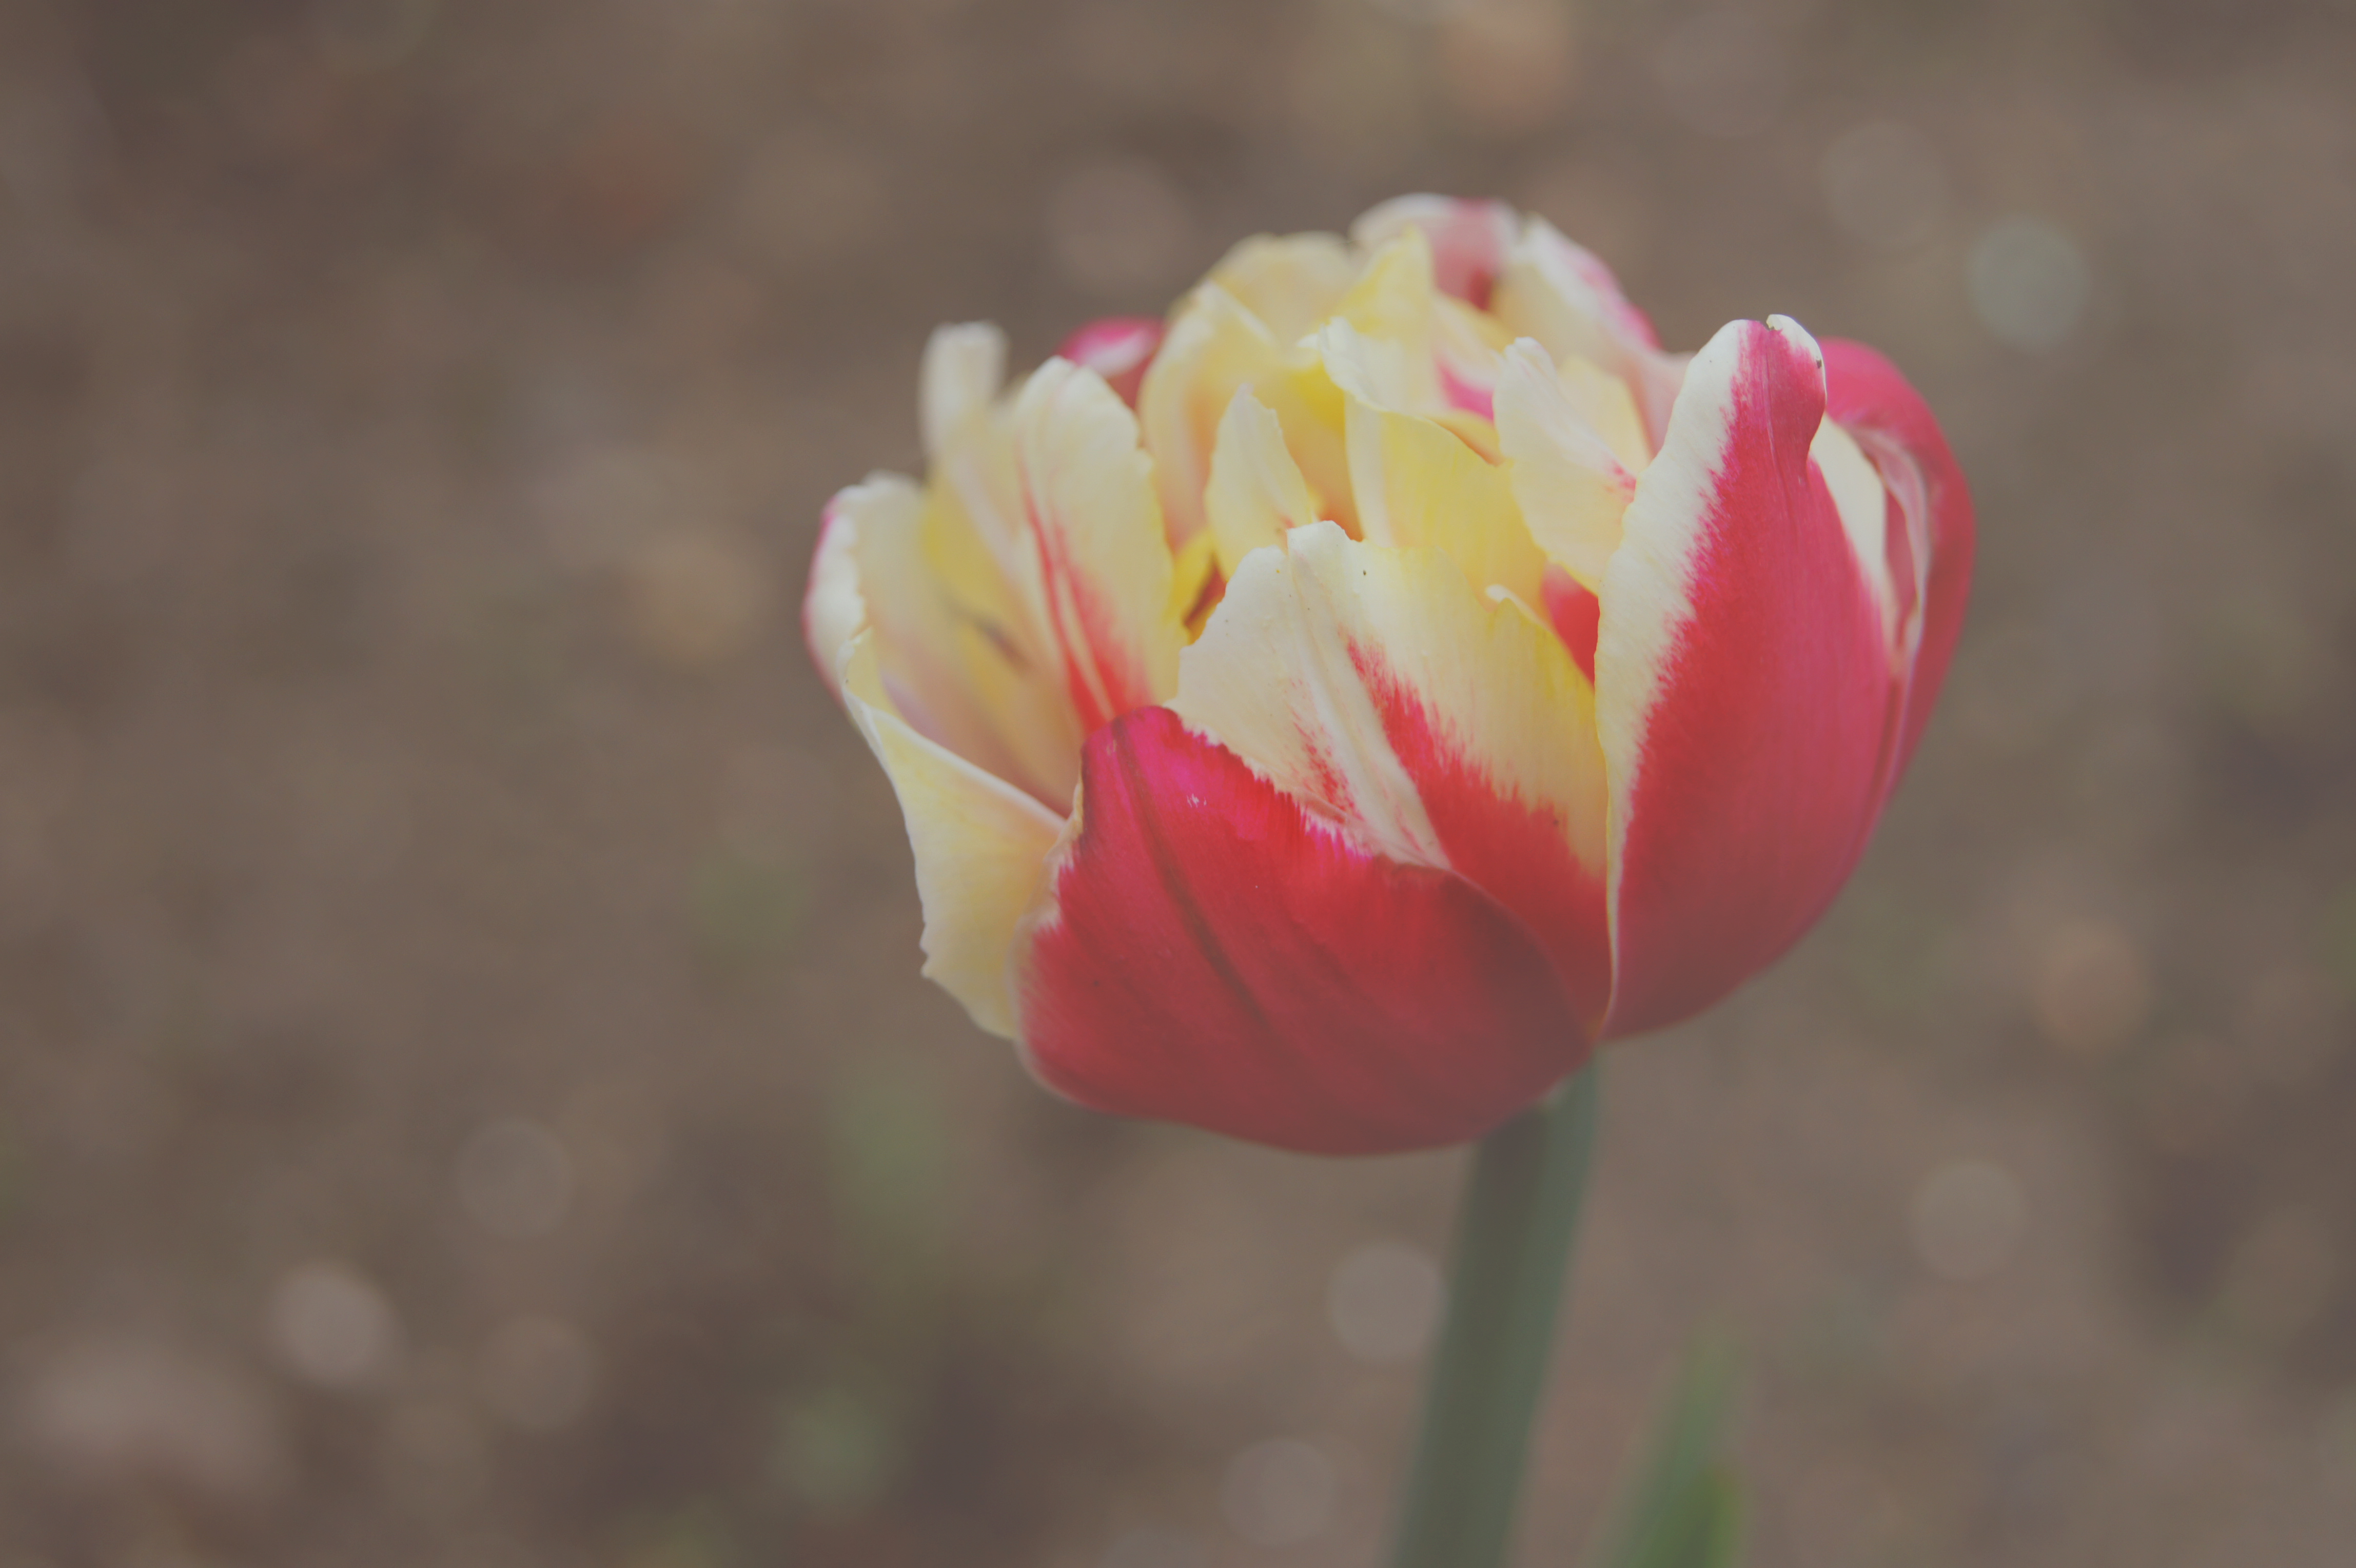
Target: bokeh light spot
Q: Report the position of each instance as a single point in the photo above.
(2030, 283)
(1280, 1492)
(1968, 1217)
(514, 1180)
(332, 1328)
(537, 1373)
(1884, 184)
(1385, 1301)
(2093, 988)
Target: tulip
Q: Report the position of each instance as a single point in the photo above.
(1328, 715)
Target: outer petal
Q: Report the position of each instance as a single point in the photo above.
(1439, 729)
(1215, 955)
(981, 848)
(953, 645)
(1749, 684)
(833, 611)
(1930, 533)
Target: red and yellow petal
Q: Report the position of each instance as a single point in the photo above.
(1433, 724)
(1098, 565)
(1211, 953)
(1748, 681)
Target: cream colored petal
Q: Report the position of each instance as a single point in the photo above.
(1255, 491)
(1214, 347)
(1394, 303)
(1863, 503)
(1416, 482)
(980, 846)
(1571, 487)
(964, 367)
(1290, 281)
(1563, 297)
(952, 644)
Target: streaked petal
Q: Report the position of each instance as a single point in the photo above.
(1118, 349)
(981, 845)
(1438, 727)
(1563, 297)
(953, 644)
(1469, 239)
(1255, 491)
(1748, 684)
(1215, 955)
(1103, 563)
(964, 367)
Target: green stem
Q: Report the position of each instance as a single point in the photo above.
(1513, 1238)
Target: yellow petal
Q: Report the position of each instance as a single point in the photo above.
(1563, 297)
(964, 367)
(1394, 299)
(981, 847)
(952, 643)
(1571, 487)
(1255, 491)
(1214, 347)
(1290, 281)
(1416, 482)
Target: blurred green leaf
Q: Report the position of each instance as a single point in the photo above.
(747, 908)
(887, 1172)
(840, 1448)
(1685, 1509)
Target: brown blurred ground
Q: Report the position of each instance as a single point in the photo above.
(466, 1094)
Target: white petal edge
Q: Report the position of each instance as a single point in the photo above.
(834, 610)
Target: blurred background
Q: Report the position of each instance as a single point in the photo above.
(466, 1097)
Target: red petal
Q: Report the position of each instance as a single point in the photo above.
(1932, 514)
(1218, 957)
(1758, 756)
(1575, 613)
(1118, 349)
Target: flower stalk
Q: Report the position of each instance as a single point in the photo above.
(1515, 1233)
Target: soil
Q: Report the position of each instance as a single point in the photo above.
(466, 1096)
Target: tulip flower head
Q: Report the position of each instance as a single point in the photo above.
(1327, 716)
